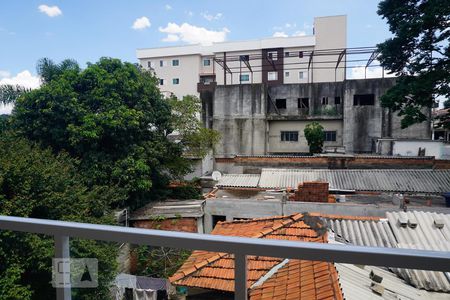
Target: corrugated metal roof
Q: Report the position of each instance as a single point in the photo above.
(239, 180)
(355, 283)
(170, 209)
(341, 156)
(389, 233)
(388, 180)
(425, 236)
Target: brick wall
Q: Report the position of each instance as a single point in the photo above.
(254, 164)
(174, 224)
(312, 191)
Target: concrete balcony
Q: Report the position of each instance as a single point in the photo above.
(239, 246)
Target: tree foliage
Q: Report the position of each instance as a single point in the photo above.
(196, 139)
(36, 183)
(160, 262)
(314, 135)
(418, 53)
(112, 117)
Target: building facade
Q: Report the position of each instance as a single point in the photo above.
(261, 94)
(192, 69)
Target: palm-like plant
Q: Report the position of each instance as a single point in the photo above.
(46, 69)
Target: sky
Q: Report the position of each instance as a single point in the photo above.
(86, 30)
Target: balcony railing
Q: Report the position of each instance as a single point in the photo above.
(239, 246)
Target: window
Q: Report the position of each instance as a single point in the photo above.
(301, 75)
(300, 54)
(286, 74)
(324, 100)
(280, 103)
(175, 62)
(303, 103)
(149, 64)
(216, 219)
(337, 100)
(244, 77)
(286, 54)
(289, 136)
(330, 136)
(176, 81)
(365, 99)
(272, 76)
(161, 82)
(206, 62)
(273, 55)
(161, 63)
(244, 57)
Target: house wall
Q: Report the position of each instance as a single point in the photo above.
(439, 150)
(275, 128)
(239, 116)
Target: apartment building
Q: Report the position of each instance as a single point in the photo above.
(192, 69)
(261, 94)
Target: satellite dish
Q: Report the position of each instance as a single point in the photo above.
(216, 175)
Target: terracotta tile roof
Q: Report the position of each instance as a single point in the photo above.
(300, 279)
(215, 271)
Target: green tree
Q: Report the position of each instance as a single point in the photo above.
(112, 117)
(36, 183)
(315, 136)
(196, 139)
(418, 54)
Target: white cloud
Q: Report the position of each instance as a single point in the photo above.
(299, 33)
(24, 78)
(51, 11)
(211, 17)
(141, 23)
(4, 74)
(171, 38)
(192, 34)
(168, 7)
(280, 34)
(372, 72)
(190, 13)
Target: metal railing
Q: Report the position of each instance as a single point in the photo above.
(239, 246)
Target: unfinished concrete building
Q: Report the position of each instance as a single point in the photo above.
(263, 119)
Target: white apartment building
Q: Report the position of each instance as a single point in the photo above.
(187, 70)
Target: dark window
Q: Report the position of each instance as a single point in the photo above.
(366, 99)
(286, 54)
(217, 218)
(280, 103)
(149, 64)
(337, 100)
(324, 100)
(303, 103)
(206, 62)
(244, 57)
(161, 82)
(289, 136)
(300, 54)
(175, 81)
(161, 63)
(175, 62)
(330, 136)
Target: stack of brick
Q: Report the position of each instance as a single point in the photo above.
(313, 191)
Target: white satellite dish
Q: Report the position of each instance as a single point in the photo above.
(216, 175)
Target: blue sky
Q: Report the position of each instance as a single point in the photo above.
(87, 30)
